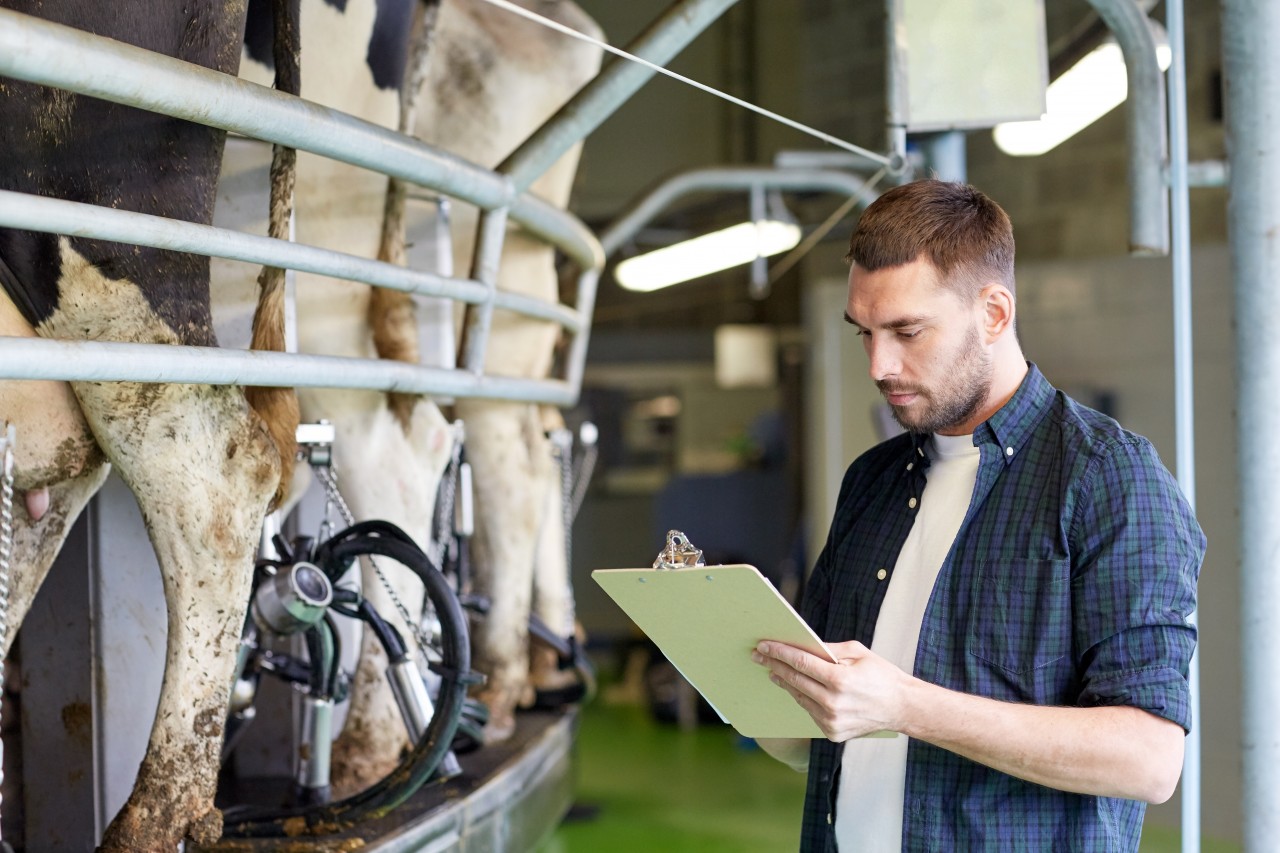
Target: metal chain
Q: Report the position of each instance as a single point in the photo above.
(562, 453)
(446, 499)
(330, 482)
(6, 547)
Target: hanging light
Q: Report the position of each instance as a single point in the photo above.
(1087, 91)
(719, 250)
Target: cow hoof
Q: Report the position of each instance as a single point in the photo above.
(135, 831)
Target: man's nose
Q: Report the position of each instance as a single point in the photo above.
(884, 358)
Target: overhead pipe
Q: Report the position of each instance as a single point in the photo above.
(728, 178)
(1147, 129)
(611, 88)
(1251, 66)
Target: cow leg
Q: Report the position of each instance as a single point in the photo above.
(511, 464)
(202, 468)
(552, 594)
(390, 473)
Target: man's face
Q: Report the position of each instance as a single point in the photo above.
(925, 344)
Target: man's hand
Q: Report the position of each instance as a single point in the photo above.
(1110, 751)
(860, 695)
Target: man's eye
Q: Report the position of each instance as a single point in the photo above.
(911, 333)
(864, 333)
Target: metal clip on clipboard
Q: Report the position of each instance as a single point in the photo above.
(679, 553)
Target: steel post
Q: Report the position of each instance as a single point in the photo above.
(1250, 30)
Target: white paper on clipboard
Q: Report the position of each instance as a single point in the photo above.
(707, 620)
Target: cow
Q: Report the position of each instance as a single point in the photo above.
(520, 75)
(202, 462)
(491, 79)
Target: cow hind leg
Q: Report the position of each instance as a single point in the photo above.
(203, 469)
(511, 463)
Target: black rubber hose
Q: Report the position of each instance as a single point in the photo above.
(421, 762)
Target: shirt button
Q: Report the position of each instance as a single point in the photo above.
(910, 465)
(828, 818)
(1008, 451)
(912, 503)
(882, 574)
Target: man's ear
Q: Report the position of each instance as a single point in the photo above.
(998, 311)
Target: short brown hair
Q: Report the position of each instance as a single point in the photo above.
(965, 235)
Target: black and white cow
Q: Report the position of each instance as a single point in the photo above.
(200, 460)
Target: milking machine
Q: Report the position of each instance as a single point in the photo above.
(298, 593)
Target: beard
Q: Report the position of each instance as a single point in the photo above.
(965, 389)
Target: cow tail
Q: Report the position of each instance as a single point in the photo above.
(278, 407)
(393, 318)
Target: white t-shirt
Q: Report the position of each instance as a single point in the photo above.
(873, 772)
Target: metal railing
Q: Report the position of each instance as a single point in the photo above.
(41, 52)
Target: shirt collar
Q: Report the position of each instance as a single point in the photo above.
(1011, 426)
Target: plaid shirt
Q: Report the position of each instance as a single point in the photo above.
(1070, 583)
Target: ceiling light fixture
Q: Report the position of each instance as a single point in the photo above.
(1087, 91)
(719, 250)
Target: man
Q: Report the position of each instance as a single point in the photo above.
(1008, 584)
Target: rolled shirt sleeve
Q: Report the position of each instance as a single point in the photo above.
(1134, 583)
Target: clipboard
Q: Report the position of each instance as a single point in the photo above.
(707, 620)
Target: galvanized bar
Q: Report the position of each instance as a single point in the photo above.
(56, 216)
(896, 85)
(1147, 130)
(1250, 32)
(598, 100)
(588, 282)
(1183, 376)
(563, 230)
(701, 180)
(75, 219)
(479, 318)
(38, 51)
(108, 361)
(945, 154)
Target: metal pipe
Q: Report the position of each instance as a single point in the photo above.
(1183, 381)
(38, 51)
(944, 154)
(56, 216)
(897, 103)
(1146, 130)
(805, 159)
(701, 180)
(479, 318)
(1207, 173)
(109, 361)
(1251, 65)
(588, 284)
(598, 100)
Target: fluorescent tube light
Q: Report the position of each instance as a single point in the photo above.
(1087, 91)
(709, 253)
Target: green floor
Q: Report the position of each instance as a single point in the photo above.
(656, 788)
